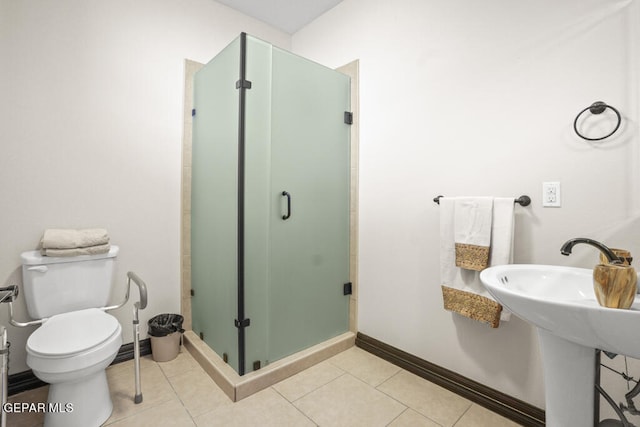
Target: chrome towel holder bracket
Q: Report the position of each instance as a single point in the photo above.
(597, 108)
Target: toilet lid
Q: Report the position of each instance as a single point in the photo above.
(73, 332)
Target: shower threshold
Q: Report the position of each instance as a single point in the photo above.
(238, 387)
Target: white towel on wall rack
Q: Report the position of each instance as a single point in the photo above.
(462, 290)
(472, 219)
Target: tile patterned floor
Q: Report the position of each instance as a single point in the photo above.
(353, 388)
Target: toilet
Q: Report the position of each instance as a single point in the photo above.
(73, 347)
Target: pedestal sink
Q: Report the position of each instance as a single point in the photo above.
(561, 303)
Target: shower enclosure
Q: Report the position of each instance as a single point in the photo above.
(270, 204)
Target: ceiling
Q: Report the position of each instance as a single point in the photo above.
(286, 15)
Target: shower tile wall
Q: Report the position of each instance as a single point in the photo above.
(352, 70)
(190, 68)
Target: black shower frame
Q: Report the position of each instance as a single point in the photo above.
(242, 85)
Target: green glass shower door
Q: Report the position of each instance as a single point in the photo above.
(214, 189)
(310, 187)
(270, 204)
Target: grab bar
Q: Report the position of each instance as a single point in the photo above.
(139, 305)
(9, 297)
(9, 293)
(4, 367)
(12, 292)
(142, 290)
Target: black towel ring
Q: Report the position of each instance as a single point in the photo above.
(597, 108)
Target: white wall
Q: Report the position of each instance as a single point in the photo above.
(478, 98)
(91, 98)
(457, 98)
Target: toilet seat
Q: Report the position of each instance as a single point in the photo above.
(67, 334)
(73, 342)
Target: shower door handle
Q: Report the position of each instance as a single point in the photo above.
(288, 196)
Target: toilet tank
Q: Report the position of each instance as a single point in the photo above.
(54, 285)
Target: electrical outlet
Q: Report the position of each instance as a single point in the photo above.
(551, 194)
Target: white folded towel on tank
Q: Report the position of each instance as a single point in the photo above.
(90, 250)
(56, 238)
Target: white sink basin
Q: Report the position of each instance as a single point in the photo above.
(561, 303)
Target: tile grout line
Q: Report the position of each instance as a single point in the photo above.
(294, 406)
(151, 407)
(463, 414)
(409, 407)
(192, 417)
(398, 416)
(317, 388)
(174, 396)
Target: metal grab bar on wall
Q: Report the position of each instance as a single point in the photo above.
(597, 108)
(522, 200)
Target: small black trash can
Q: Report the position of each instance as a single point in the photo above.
(165, 331)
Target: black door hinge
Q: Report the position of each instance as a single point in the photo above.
(201, 336)
(348, 117)
(244, 84)
(193, 292)
(256, 365)
(347, 289)
(193, 112)
(242, 323)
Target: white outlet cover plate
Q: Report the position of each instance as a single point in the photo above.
(551, 194)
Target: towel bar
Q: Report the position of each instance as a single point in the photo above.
(522, 200)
